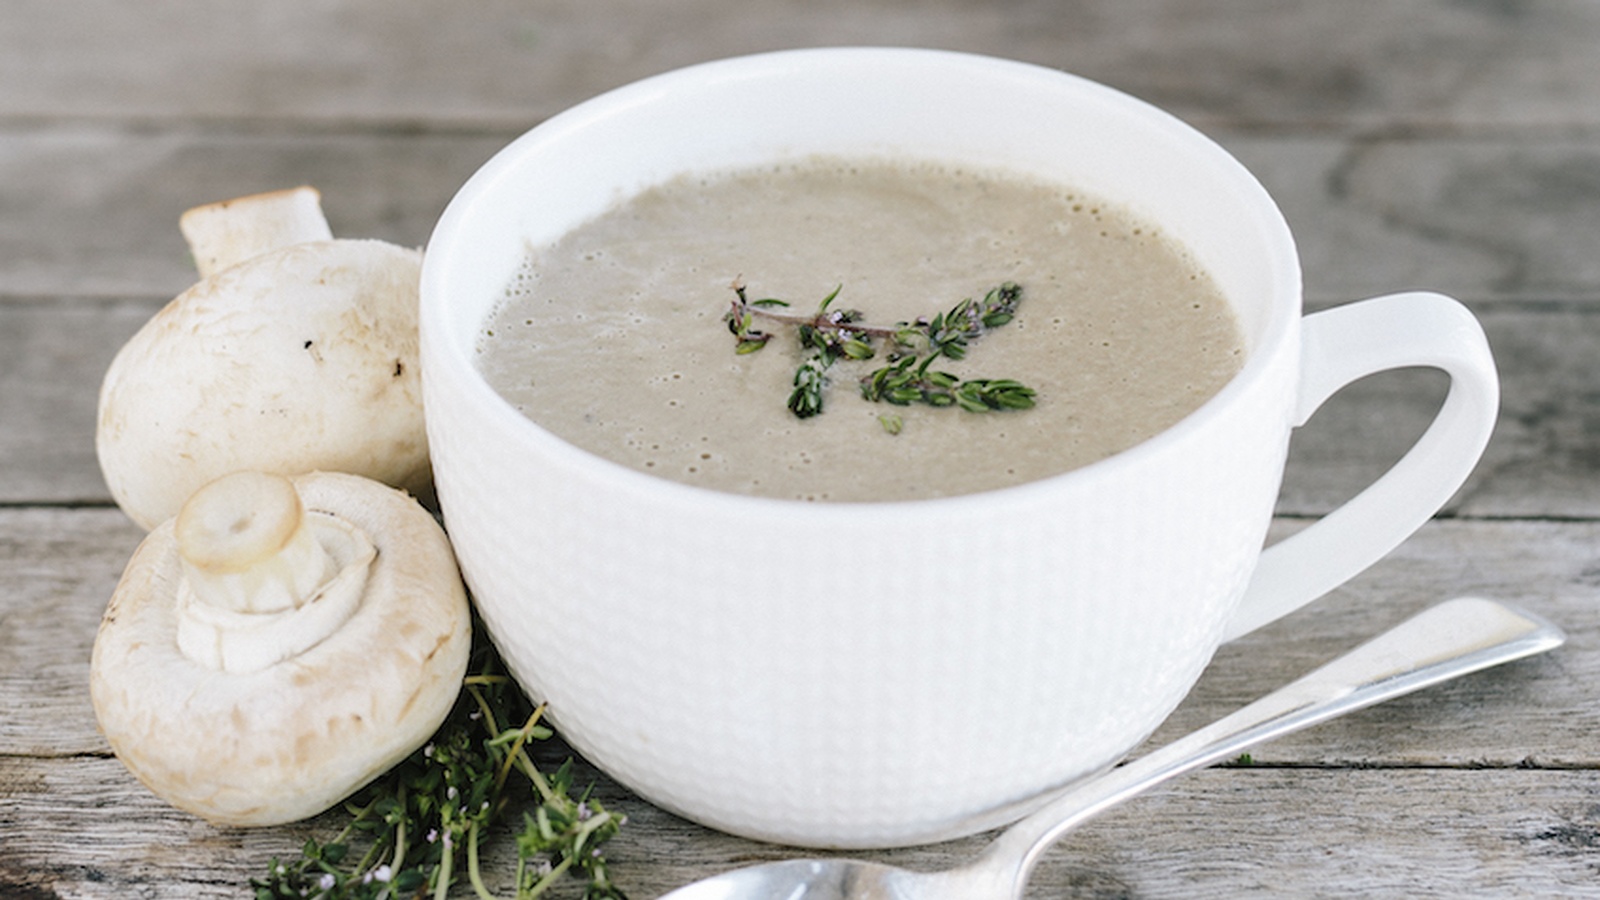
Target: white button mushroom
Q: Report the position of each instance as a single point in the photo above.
(279, 644)
(295, 353)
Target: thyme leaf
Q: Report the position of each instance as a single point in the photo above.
(911, 349)
(411, 832)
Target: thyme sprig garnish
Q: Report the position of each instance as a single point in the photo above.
(911, 349)
(414, 830)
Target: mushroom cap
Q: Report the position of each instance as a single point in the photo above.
(300, 359)
(293, 739)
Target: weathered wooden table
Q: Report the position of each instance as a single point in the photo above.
(1449, 144)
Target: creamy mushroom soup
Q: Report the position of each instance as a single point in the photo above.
(615, 338)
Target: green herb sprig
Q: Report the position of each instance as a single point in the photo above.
(912, 347)
(413, 830)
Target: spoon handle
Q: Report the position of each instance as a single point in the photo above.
(1448, 640)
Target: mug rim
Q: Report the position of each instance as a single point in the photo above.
(442, 337)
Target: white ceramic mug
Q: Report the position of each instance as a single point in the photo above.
(775, 668)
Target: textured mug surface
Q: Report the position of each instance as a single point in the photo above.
(784, 670)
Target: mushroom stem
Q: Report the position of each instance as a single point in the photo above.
(263, 580)
(246, 546)
(232, 231)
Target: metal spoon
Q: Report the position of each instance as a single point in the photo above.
(1451, 639)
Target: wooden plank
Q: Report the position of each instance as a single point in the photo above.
(1488, 219)
(60, 567)
(1346, 833)
(92, 209)
(1536, 712)
(55, 356)
(63, 565)
(1457, 791)
(1543, 460)
(79, 828)
(1544, 448)
(1356, 65)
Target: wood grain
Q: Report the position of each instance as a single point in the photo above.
(1511, 750)
(92, 210)
(1451, 145)
(1543, 460)
(1365, 64)
(78, 828)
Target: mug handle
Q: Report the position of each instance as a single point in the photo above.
(1338, 346)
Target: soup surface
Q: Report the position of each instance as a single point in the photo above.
(615, 339)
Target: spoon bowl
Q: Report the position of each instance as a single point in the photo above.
(1446, 641)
